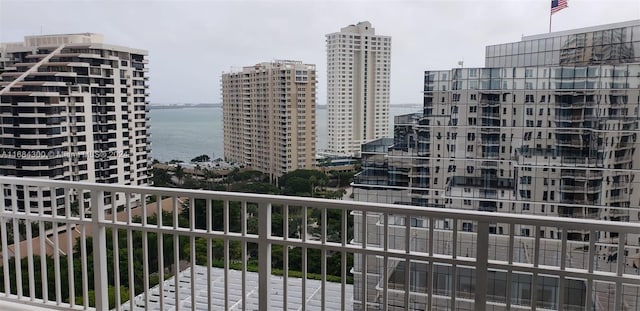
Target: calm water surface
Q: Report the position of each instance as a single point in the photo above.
(185, 133)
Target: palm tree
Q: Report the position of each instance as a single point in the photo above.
(197, 170)
(231, 178)
(179, 172)
(312, 181)
(322, 183)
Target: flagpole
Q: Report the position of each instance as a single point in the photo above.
(557, 5)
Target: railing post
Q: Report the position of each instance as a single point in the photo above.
(482, 259)
(264, 256)
(99, 236)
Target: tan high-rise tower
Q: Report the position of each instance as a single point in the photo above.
(358, 70)
(269, 116)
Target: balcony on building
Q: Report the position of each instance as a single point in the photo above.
(103, 248)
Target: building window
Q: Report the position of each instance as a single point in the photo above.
(528, 73)
(467, 227)
(528, 98)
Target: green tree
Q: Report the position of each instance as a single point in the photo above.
(344, 179)
(161, 177)
(217, 215)
(296, 186)
(322, 183)
(255, 187)
(201, 158)
(124, 296)
(299, 182)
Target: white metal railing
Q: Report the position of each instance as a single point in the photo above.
(478, 260)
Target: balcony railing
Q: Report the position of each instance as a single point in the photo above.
(479, 260)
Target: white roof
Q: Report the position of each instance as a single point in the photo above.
(294, 286)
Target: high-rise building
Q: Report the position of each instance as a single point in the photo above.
(550, 127)
(358, 70)
(269, 116)
(74, 108)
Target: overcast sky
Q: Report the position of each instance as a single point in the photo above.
(191, 43)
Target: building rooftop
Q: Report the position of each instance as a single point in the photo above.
(582, 30)
(275, 64)
(313, 293)
(95, 40)
(55, 39)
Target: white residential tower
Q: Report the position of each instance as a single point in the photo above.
(358, 68)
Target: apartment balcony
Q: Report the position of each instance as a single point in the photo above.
(578, 212)
(619, 184)
(489, 164)
(577, 188)
(570, 117)
(622, 159)
(490, 142)
(576, 142)
(490, 130)
(490, 155)
(204, 251)
(580, 173)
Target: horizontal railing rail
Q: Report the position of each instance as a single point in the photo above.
(130, 247)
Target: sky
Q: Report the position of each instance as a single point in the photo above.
(191, 43)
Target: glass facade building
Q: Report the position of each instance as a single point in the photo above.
(549, 127)
(607, 44)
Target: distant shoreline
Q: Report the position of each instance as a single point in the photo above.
(181, 106)
(211, 105)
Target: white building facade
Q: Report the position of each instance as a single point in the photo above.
(358, 87)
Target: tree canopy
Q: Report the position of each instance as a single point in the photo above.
(302, 182)
(201, 158)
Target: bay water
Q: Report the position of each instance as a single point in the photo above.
(184, 133)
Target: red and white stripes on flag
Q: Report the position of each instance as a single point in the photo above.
(557, 5)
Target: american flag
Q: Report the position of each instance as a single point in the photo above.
(557, 5)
